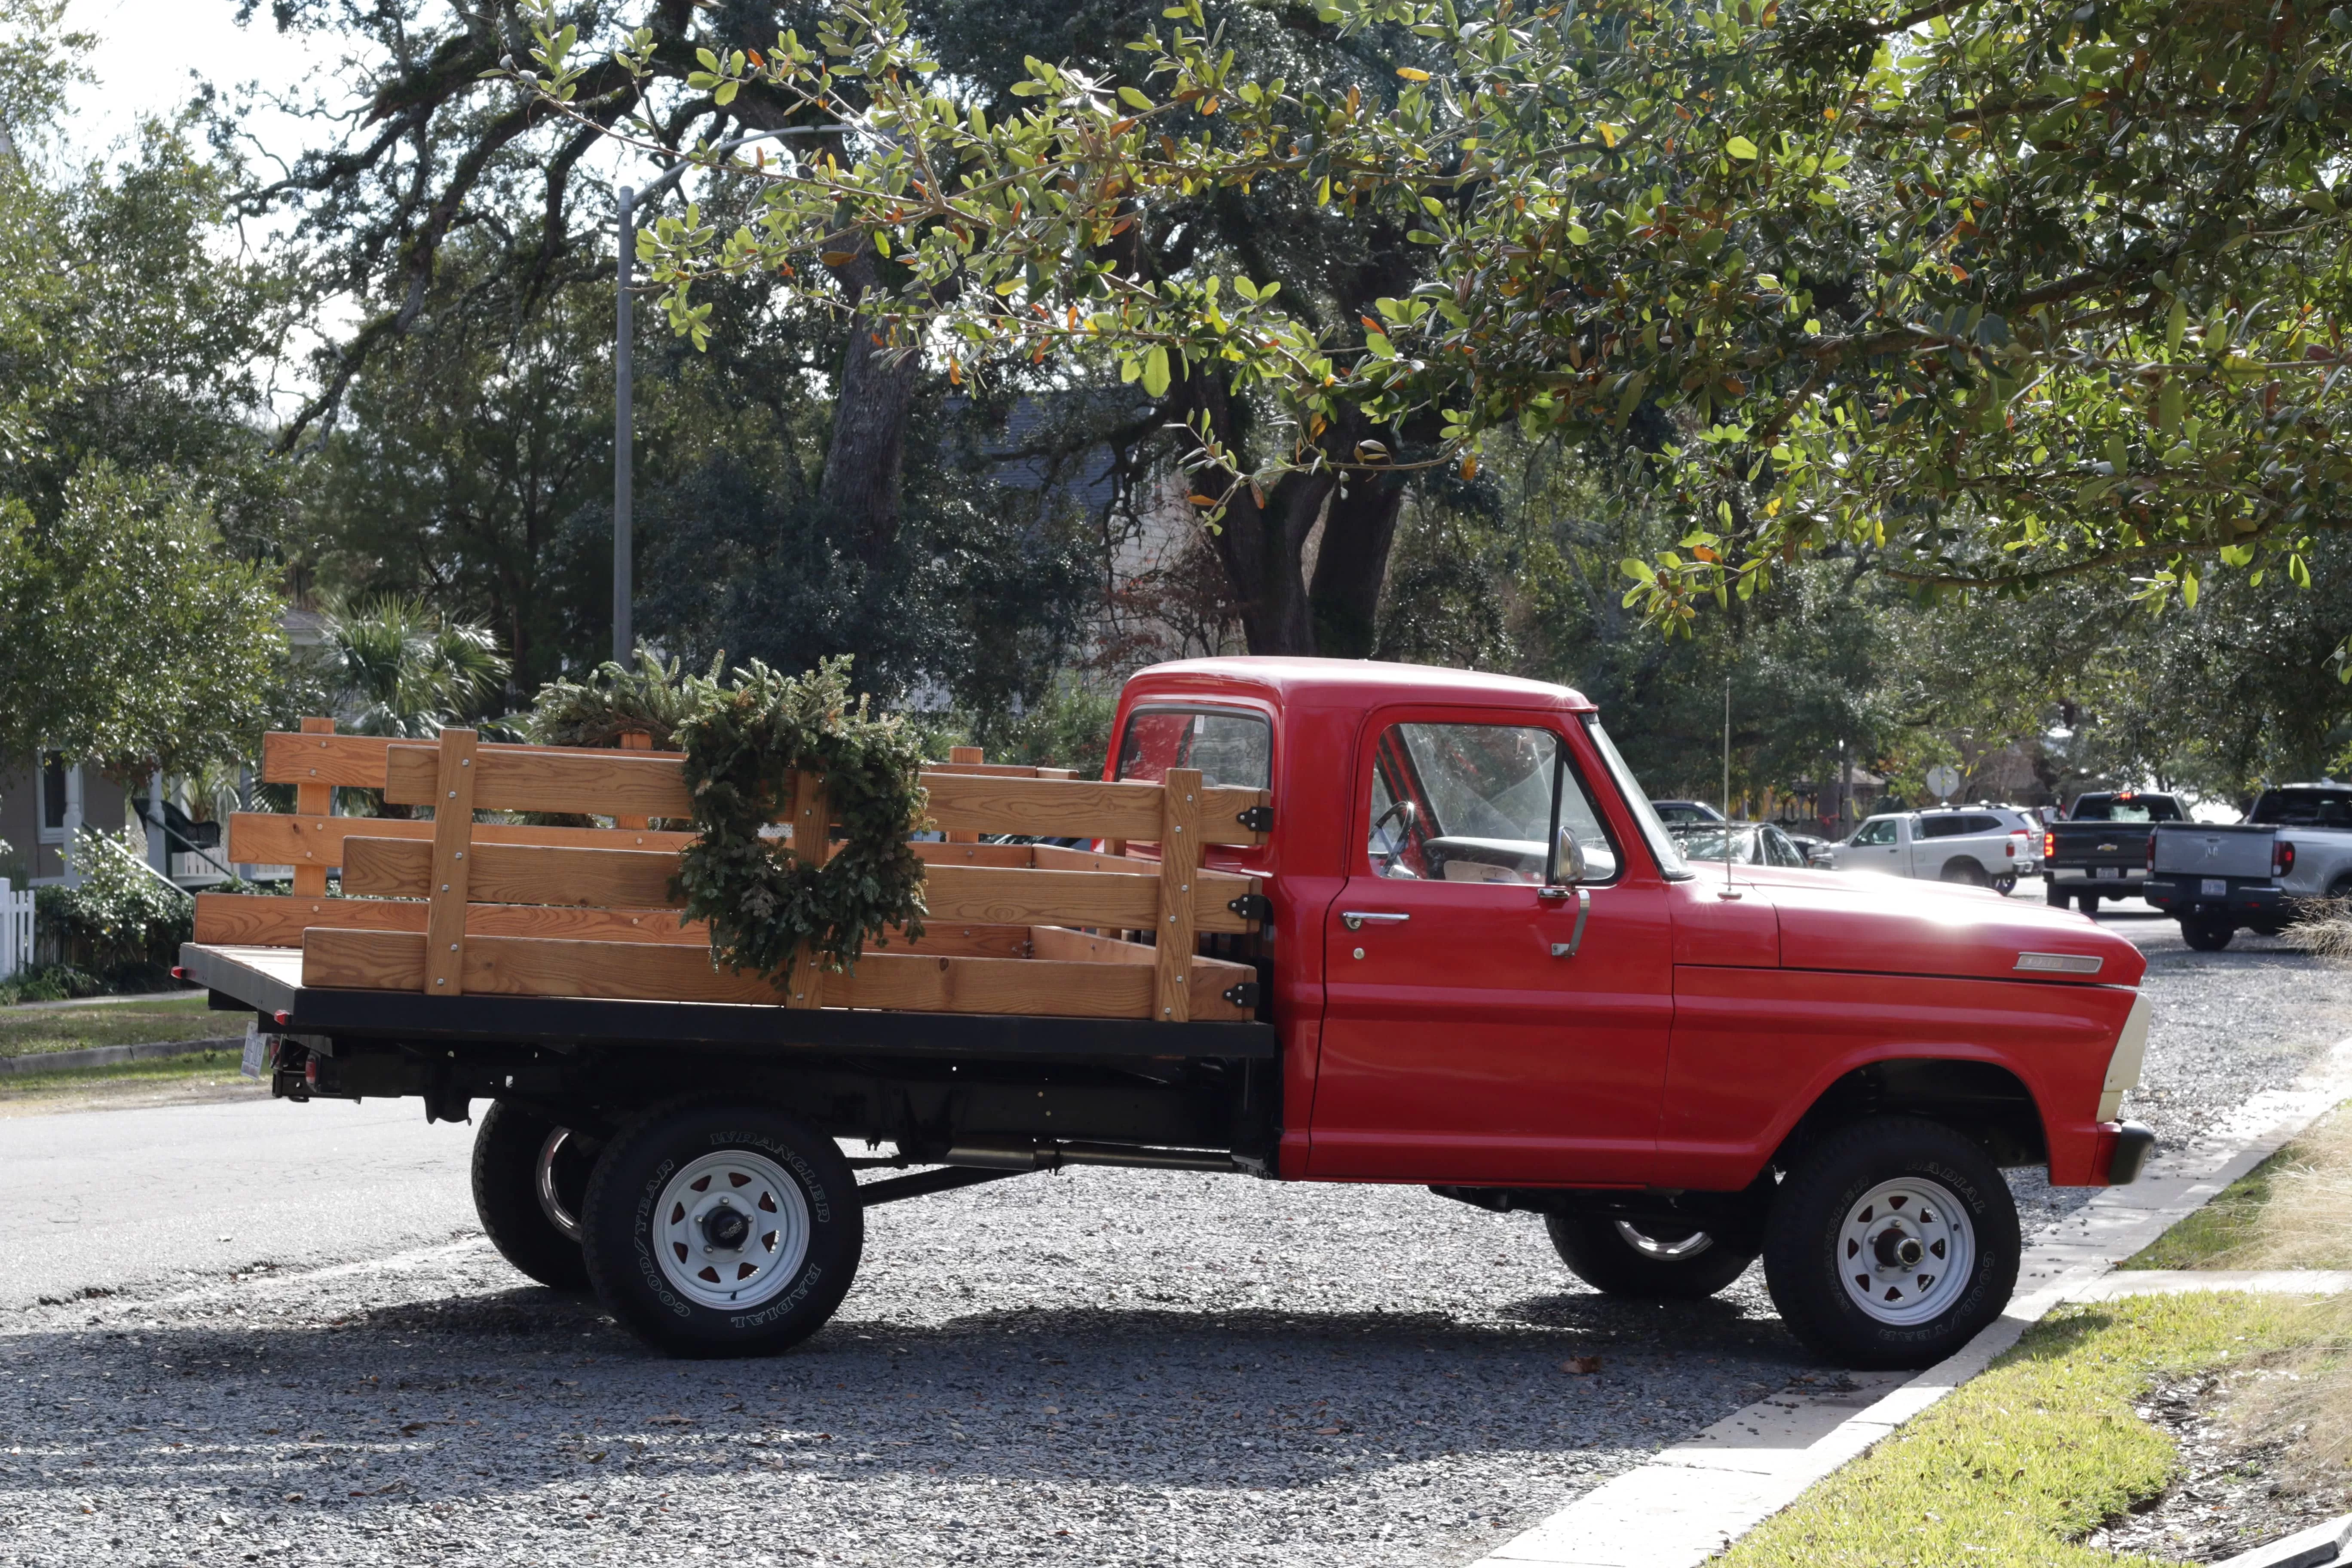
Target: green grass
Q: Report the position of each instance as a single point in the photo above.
(2228, 1223)
(2011, 1469)
(25, 1031)
(202, 1070)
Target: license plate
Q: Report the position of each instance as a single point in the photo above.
(2213, 888)
(2112, 873)
(256, 1049)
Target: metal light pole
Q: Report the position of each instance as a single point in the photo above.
(623, 393)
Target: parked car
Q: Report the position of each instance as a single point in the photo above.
(2100, 849)
(2296, 845)
(1962, 845)
(1812, 847)
(1750, 844)
(1452, 948)
(1674, 813)
(2022, 819)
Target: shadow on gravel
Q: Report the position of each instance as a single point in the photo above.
(489, 1392)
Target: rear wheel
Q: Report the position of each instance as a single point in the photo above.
(2205, 934)
(2005, 884)
(1964, 870)
(2058, 898)
(2089, 902)
(530, 1175)
(1620, 1259)
(1891, 1244)
(716, 1230)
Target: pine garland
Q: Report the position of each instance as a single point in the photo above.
(742, 743)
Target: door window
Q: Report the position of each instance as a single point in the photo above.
(1881, 832)
(1475, 803)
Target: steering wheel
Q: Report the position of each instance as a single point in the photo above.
(1405, 814)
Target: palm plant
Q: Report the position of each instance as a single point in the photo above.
(395, 666)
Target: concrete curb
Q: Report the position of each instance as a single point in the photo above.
(112, 1055)
(1693, 1500)
(2126, 1282)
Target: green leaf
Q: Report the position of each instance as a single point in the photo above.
(1155, 370)
(1741, 147)
(1634, 567)
(1134, 99)
(2176, 325)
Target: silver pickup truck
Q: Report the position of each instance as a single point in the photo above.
(2294, 846)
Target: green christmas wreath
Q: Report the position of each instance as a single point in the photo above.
(742, 743)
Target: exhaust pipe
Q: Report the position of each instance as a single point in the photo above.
(991, 1154)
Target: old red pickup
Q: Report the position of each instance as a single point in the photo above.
(1464, 955)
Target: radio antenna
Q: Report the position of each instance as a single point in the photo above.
(1729, 890)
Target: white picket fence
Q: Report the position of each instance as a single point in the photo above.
(15, 929)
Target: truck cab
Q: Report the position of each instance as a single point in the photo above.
(1977, 846)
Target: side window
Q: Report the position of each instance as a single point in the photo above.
(1229, 748)
(1473, 802)
(1780, 850)
(1937, 826)
(1881, 832)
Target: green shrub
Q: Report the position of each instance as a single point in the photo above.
(120, 923)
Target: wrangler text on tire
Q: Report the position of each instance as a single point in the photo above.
(719, 1228)
(1891, 1243)
(529, 1177)
(1620, 1259)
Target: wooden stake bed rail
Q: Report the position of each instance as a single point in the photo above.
(452, 907)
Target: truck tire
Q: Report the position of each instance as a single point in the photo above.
(1891, 1244)
(1620, 1259)
(2205, 934)
(2087, 902)
(722, 1229)
(1960, 868)
(2057, 897)
(512, 1149)
(2005, 884)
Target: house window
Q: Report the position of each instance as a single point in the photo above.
(60, 794)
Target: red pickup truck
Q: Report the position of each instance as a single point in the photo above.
(1483, 967)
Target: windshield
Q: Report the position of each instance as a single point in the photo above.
(2304, 807)
(1661, 843)
(2117, 808)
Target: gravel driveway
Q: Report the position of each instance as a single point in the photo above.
(1097, 1367)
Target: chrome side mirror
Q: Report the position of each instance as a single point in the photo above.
(1568, 861)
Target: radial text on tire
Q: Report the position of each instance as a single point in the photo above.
(1619, 1258)
(1891, 1243)
(717, 1229)
(529, 1175)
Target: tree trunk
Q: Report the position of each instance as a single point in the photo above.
(1262, 547)
(860, 485)
(1352, 564)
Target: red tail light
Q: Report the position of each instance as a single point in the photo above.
(2010, 848)
(283, 1018)
(2281, 858)
(2049, 844)
(178, 973)
(2151, 849)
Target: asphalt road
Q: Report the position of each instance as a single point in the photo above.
(132, 1200)
(1102, 1367)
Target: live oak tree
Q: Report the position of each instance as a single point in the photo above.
(1995, 294)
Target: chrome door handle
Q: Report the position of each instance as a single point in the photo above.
(1357, 920)
(1576, 936)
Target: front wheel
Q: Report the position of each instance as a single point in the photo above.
(716, 1230)
(1892, 1244)
(2205, 934)
(1617, 1257)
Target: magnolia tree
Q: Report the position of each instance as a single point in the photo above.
(1994, 293)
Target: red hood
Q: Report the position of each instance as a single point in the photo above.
(1884, 925)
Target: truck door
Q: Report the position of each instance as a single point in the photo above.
(1479, 1027)
(1877, 846)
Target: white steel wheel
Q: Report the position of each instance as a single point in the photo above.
(1906, 1251)
(731, 1229)
(545, 1188)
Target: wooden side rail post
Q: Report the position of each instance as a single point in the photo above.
(313, 800)
(965, 754)
(453, 834)
(1180, 867)
(635, 741)
(813, 844)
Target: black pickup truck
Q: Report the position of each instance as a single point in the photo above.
(2099, 849)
